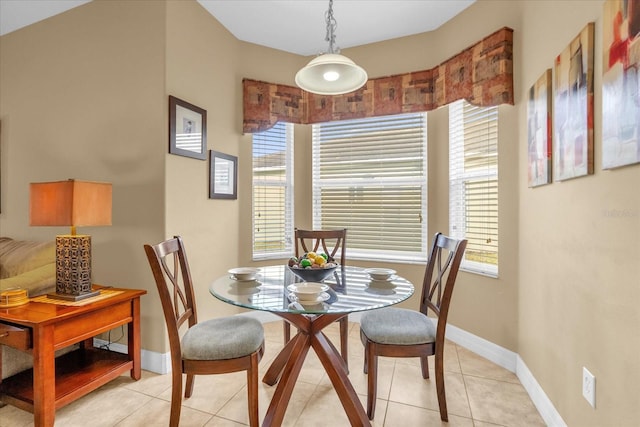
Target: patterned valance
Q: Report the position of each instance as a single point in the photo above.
(482, 74)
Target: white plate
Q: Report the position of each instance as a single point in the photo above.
(314, 306)
(322, 297)
(245, 283)
(243, 273)
(307, 291)
(379, 290)
(380, 273)
(386, 284)
(239, 288)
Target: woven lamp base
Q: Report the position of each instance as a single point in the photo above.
(73, 268)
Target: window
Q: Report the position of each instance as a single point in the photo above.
(473, 184)
(369, 176)
(273, 192)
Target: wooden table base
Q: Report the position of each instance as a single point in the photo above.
(287, 365)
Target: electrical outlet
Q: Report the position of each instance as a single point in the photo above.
(589, 386)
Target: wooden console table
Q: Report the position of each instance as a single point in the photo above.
(41, 328)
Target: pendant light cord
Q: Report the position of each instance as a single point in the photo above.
(332, 24)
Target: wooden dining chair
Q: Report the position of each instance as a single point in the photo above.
(399, 332)
(333, 243)
(216, 346)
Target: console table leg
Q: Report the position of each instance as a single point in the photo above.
(44, 377)
(133, 340)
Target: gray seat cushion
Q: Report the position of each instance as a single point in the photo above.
(398, 326)
(222, 338)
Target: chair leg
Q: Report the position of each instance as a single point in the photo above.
(252, 391)
(176, 398)
(365, 343)
(286, 327)
(372, 380)
(442, 397)
(365, 368)
(344, 340)
(188, 388)
(424, 364)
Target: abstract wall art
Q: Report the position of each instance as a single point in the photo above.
(573, 108)
(539, 131)
(621, 83)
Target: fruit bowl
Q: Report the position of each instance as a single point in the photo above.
(313, 274)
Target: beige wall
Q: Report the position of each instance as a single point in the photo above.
(568, 290)
(579, 276)
(82, 96)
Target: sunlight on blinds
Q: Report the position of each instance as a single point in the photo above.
(370, 177)
(473, 183)
(273, 192)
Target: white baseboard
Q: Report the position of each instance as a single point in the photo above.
(160, 363)
(539, 398)
(490, 351)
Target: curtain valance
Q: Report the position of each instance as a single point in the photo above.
(482, 74)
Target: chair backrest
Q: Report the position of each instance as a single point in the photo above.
(331, 241)
(443, 264)
(168, 261)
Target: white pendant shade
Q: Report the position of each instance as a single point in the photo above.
(331, 74)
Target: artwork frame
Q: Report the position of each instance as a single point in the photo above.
(620, 83)
(223, 175)
(539, 141)
(187, 129)
(573, 108)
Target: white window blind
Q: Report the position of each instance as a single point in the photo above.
(473, 184)
(273, 192)
(369, 176)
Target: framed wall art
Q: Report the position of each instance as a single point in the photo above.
(539, 131)
(620, 83)
(223, 176)
(573, 108)
(187, 129)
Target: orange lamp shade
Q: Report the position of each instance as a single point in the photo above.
(71, 203)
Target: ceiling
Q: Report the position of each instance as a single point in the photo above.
(296, 26)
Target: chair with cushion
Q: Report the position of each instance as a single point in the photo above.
(215, 346)
(329, 242)
(399, 332)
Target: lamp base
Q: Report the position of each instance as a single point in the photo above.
(71, 297)
(73, 268)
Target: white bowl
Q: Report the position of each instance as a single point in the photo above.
(243, 273)
(380, 273)
(307, 291)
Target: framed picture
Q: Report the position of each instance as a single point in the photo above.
(539, 131)
(187, 129)
(620, 83)
(573, 108)
(223, 176)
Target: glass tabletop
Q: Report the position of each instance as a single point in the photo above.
(350, 290)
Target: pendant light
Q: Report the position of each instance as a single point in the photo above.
(331, 73)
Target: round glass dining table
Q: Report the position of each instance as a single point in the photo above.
(350, 290)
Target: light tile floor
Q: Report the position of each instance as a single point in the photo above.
(479, 394)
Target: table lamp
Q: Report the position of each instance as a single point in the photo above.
(71, 203)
